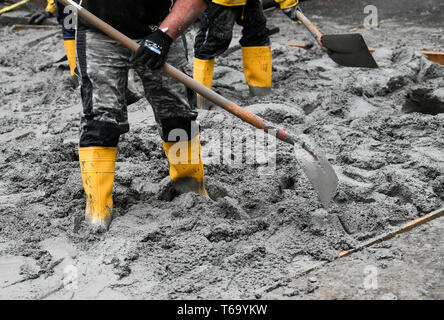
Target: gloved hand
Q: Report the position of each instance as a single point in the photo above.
(153, 50)
(39, 17)
(292, 12)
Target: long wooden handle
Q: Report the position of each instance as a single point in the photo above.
(14, 6)
(405, 228)
(310, 26)
(209, 94)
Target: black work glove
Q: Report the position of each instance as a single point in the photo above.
(292, 12)
(39, 17)
(153, 50)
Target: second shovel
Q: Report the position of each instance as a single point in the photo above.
(348, 50)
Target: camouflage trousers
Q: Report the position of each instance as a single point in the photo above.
(103, 65)
(216, 29)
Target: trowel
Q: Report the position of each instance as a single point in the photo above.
(312, 160)
(348, 50)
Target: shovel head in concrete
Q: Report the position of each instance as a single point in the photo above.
(319, 171)
(348, 50)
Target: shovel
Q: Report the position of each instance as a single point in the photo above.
(315, 165)
(348, 50)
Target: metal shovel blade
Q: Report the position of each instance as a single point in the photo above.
(348, 50)
(319, 171)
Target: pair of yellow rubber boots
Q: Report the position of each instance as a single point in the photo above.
(97, 166)
(257, 69)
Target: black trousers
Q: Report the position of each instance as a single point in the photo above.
(216, 31)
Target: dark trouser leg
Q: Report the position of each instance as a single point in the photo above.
(216, 31)
(213, 39)
(103, 66)
(254, 23)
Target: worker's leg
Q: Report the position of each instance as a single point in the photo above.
(103, 69)
(256, 49)
(68, 32)
(213, 38)
(176, 119)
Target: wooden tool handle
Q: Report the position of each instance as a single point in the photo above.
(310, 26)
(14, 6)
(405, 228)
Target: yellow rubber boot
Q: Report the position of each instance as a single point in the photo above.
(203, 71)
(70, 48)
(258, 69)
(186, 165)
(51, 6)
(97, 165)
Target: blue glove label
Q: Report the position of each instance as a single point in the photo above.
(154, 47)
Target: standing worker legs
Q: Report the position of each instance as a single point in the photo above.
(103, 67)
(215, 36)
